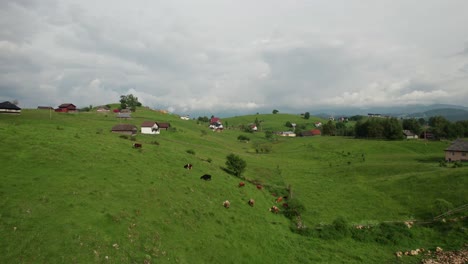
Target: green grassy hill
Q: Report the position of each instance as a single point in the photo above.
(73, 192)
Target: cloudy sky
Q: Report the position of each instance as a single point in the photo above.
(242, 56)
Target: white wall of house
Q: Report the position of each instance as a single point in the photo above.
(150, 130)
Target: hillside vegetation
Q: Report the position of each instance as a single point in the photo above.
(73, 192)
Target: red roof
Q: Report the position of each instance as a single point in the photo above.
(315, 132)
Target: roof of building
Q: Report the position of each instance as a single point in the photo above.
(9, 105)
(124, 127)
(163, 125)
(124, 115)
(148, 124)
(408, 133)
(66, 105)
(458, 145)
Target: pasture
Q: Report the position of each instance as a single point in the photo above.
(73, 192)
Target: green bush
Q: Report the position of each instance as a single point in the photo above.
(243, 138)
(440, 206)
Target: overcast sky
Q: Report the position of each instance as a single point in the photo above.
(240, 56)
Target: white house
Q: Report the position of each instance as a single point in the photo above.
(185, 117)
(150, 127)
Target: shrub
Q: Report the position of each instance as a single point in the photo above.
(457, 164)
(191, 151)
(441, 206)
(123, 136)
(209, 160)
(155, 143)
(295, 208)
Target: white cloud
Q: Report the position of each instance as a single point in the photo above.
(216, 56)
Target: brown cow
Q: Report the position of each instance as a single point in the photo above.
(188, 166)
(274, 209)
(252, 202)
(137, 145)
(279, 199)
(259, 186)
(241, 184)
(226, 204)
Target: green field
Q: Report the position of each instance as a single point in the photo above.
(73, 192)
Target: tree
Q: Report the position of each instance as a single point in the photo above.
(329, 128)
(413, 125)
(307, 115)
(439, 126)
(129, 101)
(275, 111)
(235, 164)
(392, 129)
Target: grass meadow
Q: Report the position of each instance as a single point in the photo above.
(73, 192)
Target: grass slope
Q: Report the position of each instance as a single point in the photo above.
(73, 192)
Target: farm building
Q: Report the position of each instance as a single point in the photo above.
(124, 115)
(103, 108)
(458, 151)
(66, 108)
(150, 127)
(45, 108)
(9, 108)
(313, 132)
(287, 134)
(164, 126)
(125, 129)
(408, 134)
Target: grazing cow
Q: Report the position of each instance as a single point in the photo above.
(285, 205)
(274, 209)
(226, 204)
(241, 184)
(137, 145)
(252, 202)
(206, 177)
(259, 186)
(279, 199)
(188, 166)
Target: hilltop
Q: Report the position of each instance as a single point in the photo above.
(72, 191)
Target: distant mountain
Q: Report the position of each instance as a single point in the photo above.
(451, 112)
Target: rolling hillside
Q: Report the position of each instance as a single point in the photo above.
(73, 192)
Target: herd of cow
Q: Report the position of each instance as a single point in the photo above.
(274, 209)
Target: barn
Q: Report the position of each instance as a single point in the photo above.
(66, 108)
(9, 108)
(126, 129)
(150, 127)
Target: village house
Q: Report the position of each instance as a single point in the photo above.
(164, 126)
(287, 134)
(66, 108)
(9, 108)
(126, 129)
(408, 134)
(310, 133)
(103, 109)
(150, 127)
(45, 108)
(124, 115)
(458, 151)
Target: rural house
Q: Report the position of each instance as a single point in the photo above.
(124, 115)
(103, 108)
(9, 108)
(287, 134)
(126, 129)
(458, 151)
(165, 126)
(66, 108)
(149, 127)
(45, 108)
(408, 134)
(309, 133)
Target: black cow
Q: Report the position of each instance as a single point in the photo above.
(137, 145)
(188, 166)
(206, 177)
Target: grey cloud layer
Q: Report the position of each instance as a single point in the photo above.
(209, 55)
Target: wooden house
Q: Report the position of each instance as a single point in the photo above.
(164, 126)
(66, 108)
(458, 151)
(126, 129)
